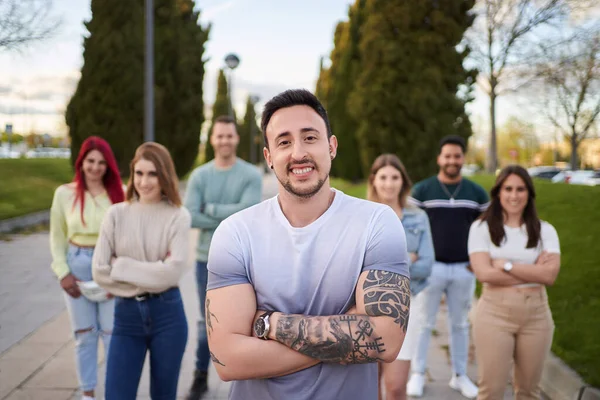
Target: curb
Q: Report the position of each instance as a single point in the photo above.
(561, 382)
(24, 221)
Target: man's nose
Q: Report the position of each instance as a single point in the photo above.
(298, 151)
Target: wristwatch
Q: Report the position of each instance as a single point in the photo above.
(262, 325)
(508, 266)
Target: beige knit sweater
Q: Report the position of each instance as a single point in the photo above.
(142, 248)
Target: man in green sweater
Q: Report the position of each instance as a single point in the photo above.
(215, 191)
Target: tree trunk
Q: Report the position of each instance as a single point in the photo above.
(493, 149)
(574, 161)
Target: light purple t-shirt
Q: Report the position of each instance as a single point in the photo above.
(311, 270)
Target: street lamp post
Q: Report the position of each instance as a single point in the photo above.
(149, 74)
(253, 100)
(232, 61)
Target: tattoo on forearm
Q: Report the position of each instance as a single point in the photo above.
(209, 317)
(215, 359)
(387, 294)
(346, 339)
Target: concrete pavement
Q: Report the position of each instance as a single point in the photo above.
(36, 346)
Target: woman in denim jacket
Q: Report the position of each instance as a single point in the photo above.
(390, 184)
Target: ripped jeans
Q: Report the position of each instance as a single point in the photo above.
(90, 321)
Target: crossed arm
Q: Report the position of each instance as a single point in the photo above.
(544, 270)
(209, 215)
(372, 331)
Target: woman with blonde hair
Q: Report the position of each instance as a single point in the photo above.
(141, 254)
(515, 255)
(75, 219)
(390, 184)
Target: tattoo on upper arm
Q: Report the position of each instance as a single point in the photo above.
(346, 339)
(387, 294)
(209, 317)
(215, 359)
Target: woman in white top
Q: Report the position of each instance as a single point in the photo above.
(515, 255)
(141, 253)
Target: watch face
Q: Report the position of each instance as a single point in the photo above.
(259, 327)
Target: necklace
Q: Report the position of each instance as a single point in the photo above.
(453, 195)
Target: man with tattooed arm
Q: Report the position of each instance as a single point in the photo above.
(309, 289)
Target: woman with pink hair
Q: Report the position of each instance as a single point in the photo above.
(75, 218)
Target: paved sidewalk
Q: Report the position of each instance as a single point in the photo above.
(36, 346)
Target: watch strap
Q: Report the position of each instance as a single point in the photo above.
(265, 318)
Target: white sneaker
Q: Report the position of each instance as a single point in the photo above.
(463, 384)
(415, 384)
(87, 398)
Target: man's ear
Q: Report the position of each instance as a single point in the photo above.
(333, 145)
(267, 155)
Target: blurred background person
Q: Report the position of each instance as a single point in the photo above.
(390, 184)
(452, 203)
(514, 254)
(141, 255)
(75, 219)
(216, 190)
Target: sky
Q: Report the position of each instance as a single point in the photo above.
(279, 44)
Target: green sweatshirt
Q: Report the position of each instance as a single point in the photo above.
(213, 194)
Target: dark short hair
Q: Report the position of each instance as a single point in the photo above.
(290, 98)
(224, 119)
(453, 139)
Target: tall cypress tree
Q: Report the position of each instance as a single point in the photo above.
(108, 101)
(220, 107)
(179, 75)
(341, 81)
(250, 135)
(321, 89)
(406, 97)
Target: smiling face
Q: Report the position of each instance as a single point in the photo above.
(94, 166)
(514, 195)
(146, 181)
(451, 160)
(299, 150)
(224, 139)
(388, 184)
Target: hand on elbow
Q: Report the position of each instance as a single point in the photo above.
(549, 281)
(391, 352)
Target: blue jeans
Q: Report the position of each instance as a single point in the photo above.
(90, 321)
(158, 325)
(458, 284)
(202, 352)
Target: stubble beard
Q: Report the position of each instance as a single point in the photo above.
(306, 193)
(452, 175)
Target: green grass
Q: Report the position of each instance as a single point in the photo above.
(28, 184)
(574, 299)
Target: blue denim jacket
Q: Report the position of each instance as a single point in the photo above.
(418, 240)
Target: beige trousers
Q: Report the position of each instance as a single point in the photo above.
(511, 326)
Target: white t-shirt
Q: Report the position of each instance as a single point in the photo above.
(311, 270)
(514, 247)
